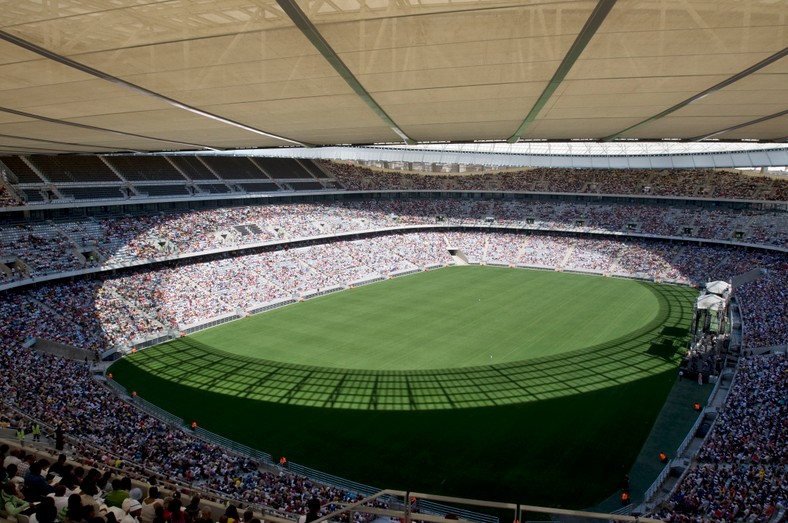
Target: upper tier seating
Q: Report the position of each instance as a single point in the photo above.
(282, 168)
(21, 171)
(70, 169)
(192, 167)
(232, 168)
(145, 168)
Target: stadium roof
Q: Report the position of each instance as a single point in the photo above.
(140, 75)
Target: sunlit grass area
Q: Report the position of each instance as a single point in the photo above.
(484, 382)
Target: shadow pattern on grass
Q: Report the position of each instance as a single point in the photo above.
(641, 353)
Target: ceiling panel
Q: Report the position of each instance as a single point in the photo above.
(288, 116)
(62, 133)
(440, 70)
(95, 26)
(575, 128)
(323, 11)
(771, 127)
(33, 146)
(353, 135)
(462, 132)
(470, 66)
(649, 56)
(758, 95)
(691, 127)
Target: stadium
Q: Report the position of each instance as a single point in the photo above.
(482, 260)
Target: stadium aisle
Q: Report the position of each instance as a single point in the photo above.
(674, 421)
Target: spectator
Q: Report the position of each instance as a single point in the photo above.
(12, 503)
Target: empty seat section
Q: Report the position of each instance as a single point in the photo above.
(232, 168)
(214, 188)
(193, 167)
(163, 190)
(144, 168)
(92, 193)
(69, 169)
(306, 186)
(31, 195)
(20, 170)
(313, 169)
(282, 168)
(259, 187)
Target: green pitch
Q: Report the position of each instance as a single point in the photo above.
(492, 383)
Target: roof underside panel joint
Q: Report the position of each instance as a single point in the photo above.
(590, 28)
(136, 88)
(311, 32)
(703, 94)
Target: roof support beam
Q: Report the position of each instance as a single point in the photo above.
(84, 145)
(137, 88)
(739, 126)
(590, 28)
(28, 150)
(102, 129)
(309, 30)
(703, 94)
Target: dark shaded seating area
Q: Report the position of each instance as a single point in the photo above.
(92, 193)
(164, 190)
(21, 171)
(259, 187)
(69, 169)
(214, 188)
(306, 186)
(145, 168)
(283, 168)
(192, 167)
(230, 168)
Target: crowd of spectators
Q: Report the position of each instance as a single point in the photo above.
(111, 310)
(699, 183)
(102, 420)
(40, 249)
(110, 431)
(741, 470)
(125, 308)
(766, 319)
(6, 198)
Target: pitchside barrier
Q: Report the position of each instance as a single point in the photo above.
(330, 479)
(271, 305)
(157, 412)
(535, 267)
(403, 272)
(584, 271)
(212, 322)
(366, 281)
(321, 292)
(424, 506)
(150, 341)
(235, 447)
(180, 423)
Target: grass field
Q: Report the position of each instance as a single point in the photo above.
(492, 383)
